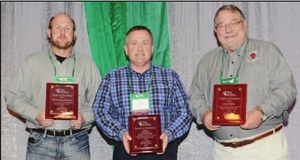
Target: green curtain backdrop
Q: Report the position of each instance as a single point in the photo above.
(108, 22)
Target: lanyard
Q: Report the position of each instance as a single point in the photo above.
(54, 68)
(238, 71)
(130, 86)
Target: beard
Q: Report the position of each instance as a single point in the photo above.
(62, 44)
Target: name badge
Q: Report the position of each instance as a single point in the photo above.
(229, 80)
(139, 102)
(63, 79)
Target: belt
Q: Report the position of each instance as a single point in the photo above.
(58, 133)
(249, 141)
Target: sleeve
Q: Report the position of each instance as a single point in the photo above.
(17, 95)
(282, 88)
(198, 105)
(93, 83)
(105, 113)
(182, 117)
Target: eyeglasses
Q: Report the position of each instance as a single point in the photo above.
(233, 23)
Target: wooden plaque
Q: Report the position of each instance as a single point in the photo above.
(229, 104)
(62, 101)
(145, 131)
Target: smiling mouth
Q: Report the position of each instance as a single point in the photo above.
(230, 36)
(140, 54)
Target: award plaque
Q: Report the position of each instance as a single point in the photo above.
(62, 101)
(229, 104)
(145, 131)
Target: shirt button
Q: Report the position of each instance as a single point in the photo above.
(232, 62)
(230, 75)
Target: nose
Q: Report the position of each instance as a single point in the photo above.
(62, 30)
(140, 47)
(227, 28)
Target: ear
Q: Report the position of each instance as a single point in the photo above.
(245, 23)
(49, 33)
(75, 35)
(245, 26)
(152, 49)
(126, 49)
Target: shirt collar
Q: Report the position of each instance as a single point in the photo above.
(145, 73)
(53, 54)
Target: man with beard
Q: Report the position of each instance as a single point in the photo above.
(56, 133)
(219, 103)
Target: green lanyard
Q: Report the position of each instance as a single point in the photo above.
(140, 102)
(63, 78)
(233, 80)
(130, 86)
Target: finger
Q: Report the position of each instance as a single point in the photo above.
(73, 125)
(127, 148)
(128, 137)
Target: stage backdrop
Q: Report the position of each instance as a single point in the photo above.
(108, 22)
(23, 31)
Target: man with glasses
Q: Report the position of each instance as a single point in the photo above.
(241, 92)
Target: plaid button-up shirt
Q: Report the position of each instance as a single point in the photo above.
(168, 98)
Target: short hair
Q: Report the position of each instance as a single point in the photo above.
(229, 7)
(51, 19)
(139, 27)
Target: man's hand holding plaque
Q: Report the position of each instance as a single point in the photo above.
(229, 105)
(61, 101)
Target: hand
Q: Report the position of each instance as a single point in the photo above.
(125, 139)
(40, 118)
(207, 121)
(165, 140)
(78, 123)
(253, 120)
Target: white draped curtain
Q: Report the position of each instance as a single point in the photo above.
(23, 31)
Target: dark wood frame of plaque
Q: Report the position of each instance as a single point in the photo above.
(56, 109)
(145, 124)
(229, 104)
